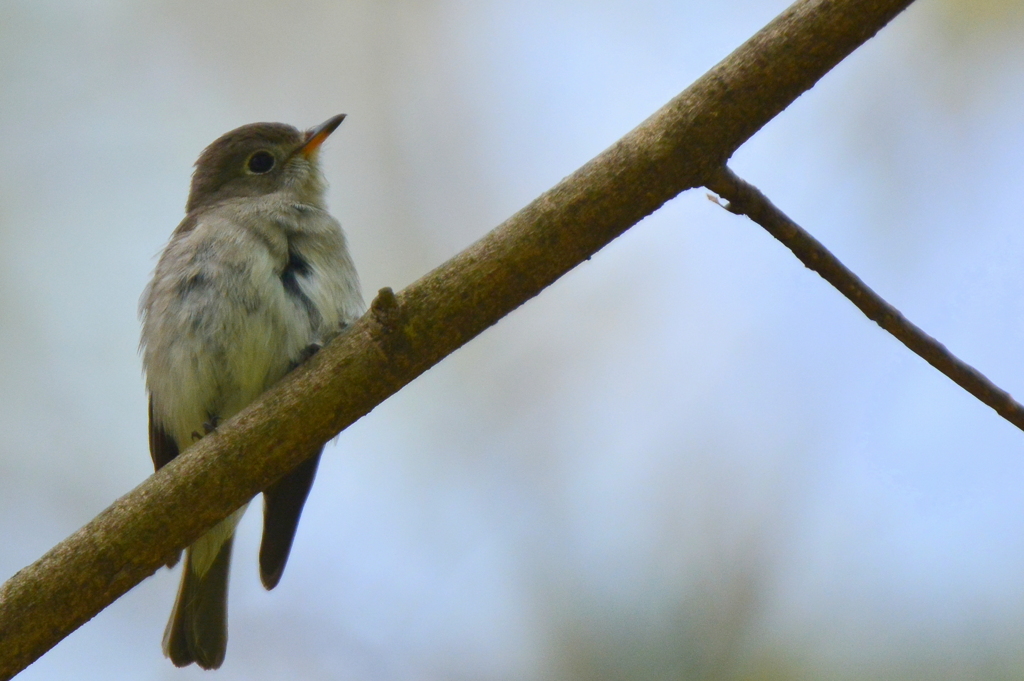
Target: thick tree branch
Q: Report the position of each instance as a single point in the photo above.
(403, 335)
(745, 199)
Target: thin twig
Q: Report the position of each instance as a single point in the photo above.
(746, 199)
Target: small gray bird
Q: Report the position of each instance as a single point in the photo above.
(255, 279)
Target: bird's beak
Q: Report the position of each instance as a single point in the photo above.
(316, 136)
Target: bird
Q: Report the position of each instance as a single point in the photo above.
(253, 281)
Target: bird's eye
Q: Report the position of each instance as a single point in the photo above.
(260, 162)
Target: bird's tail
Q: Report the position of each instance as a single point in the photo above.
(198, 628)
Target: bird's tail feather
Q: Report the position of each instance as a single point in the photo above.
(198, 628)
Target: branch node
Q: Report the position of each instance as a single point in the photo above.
(385, 308)
(390, 315)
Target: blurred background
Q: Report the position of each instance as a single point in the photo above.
(688, 459)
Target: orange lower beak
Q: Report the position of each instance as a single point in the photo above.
(316, 136)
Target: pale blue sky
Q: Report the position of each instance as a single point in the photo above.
(689, 457)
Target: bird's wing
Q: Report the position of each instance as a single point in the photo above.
(282, 506)
(162, 446)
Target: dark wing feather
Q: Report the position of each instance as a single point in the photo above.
(282, 506)
(162, 446)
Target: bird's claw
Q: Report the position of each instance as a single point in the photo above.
(208, 427)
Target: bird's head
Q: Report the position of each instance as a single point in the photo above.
(261, 159)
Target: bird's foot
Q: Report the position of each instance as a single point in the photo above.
(208, 427)
(309, 351)
(306, 353)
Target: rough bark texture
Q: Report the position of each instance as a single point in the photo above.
(679, 147)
